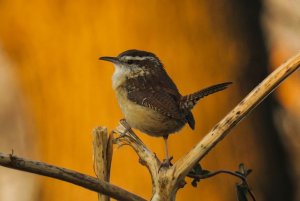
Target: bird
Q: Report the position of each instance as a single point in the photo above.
(149, 99)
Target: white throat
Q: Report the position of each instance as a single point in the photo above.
(119, 75)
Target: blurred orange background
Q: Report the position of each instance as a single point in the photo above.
(64, 91)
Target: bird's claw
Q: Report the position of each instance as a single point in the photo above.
(127, 127)
(166, 163)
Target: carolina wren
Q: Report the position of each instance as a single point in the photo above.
(149, 99)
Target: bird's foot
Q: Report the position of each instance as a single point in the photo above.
(126, 126)
(166, 163)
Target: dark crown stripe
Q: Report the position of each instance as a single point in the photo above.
(137, 53)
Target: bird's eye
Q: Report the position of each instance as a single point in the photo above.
(130, 62)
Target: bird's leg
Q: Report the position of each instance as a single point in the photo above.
(167, 160)
(166, 147)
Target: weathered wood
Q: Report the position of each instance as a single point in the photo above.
(162, 183)
(102, 149)
(71, 176)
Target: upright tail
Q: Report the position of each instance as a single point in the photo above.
(189, 101)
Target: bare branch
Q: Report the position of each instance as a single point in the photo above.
(163, 188)
(269, 84)
(147, 157)
(70, 176)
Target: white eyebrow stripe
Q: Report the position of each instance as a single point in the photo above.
(136, 58)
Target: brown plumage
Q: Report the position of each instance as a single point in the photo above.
(147, 96)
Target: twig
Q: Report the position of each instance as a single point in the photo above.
(211, 174)
(250, 192)
(88, 182)
(220, 130)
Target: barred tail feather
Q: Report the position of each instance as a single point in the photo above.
(189, 101)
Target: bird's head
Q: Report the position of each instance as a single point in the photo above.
(135, 60)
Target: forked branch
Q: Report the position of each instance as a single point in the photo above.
(173, 177)
(146, 156)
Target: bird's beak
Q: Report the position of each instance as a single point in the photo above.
(110, 59)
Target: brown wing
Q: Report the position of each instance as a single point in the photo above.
(158, 101)
(154, 91)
